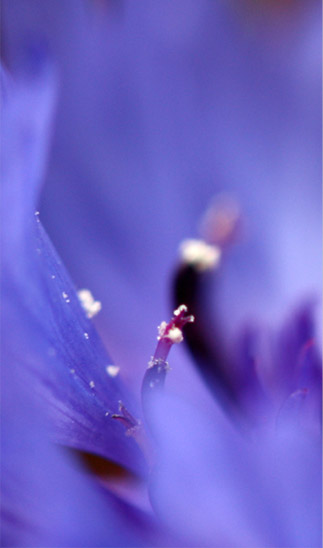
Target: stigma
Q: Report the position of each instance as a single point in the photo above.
(172, 332)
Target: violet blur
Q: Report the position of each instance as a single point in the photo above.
(122, 122)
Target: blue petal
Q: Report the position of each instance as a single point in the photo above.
(147, 134)
(66, 362)
(47, 499)
(260, 491)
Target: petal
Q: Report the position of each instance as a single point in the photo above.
(146, 135)
(47, 499)
(66, 362)
(238, 492)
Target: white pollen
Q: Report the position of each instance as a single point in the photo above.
(175, 335)
(199, 254)
(161, 330)
(53, 276)
(90, 305)
(159, 362)
(112, 370)
(91, 383)
(65, 295)
(72, 371)
(36, 213)
(151, 362)
(107, 414)
(86, 335)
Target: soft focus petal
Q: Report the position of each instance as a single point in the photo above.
(260, 491)
(47, 500)
(160, 108)
(161, 105)
(69, 368)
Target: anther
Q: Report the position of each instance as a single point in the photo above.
(200, 255)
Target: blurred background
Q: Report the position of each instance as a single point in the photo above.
(162, 105)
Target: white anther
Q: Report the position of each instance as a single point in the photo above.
(90, 305)
(199, 254)
(112, 370)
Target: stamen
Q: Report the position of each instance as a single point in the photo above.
(90, 305)
(168, 334)
(171, 333)
(128, 421)
(136, 430)
(191, 285)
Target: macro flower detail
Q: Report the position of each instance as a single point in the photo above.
(158, 164)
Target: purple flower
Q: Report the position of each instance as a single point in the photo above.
(152, 109)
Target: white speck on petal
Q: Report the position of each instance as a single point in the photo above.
(72, 371)
(112, 370)
(90, 305)
(53, 276)
(86, 335)
(91, 383)
(66, 297)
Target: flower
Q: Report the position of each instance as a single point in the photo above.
(232, 463)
